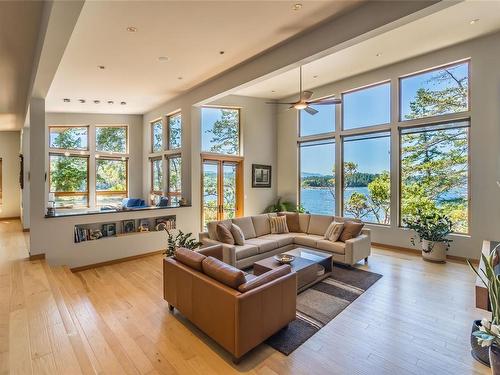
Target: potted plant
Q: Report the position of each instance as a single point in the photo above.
(180, 239)
(486, 333)
(431, 230)
(280, 206)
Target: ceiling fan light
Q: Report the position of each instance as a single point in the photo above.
(300, 106)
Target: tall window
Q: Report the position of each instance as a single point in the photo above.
(366, 179)
(111, 139)
(367, 107)
(437, 92)
(434, 171)
(68, 137)
(68, 180)
(157, 176)
(220, 130)
(157, 136)
(174, 131)
(321, 122)
(174, 191)
(317, 176)
(111, 181)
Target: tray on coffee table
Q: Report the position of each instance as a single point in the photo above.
(307, 263)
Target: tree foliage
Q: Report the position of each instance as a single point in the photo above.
(225, 133)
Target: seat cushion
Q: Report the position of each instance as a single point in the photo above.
(318, 224)
(246, 226)
(261, 225)
(212, 228)
(246, 251)
(223, 273)
(263, 245)
(307, 240)
(333, 247)
(282, 239)
(190, 258)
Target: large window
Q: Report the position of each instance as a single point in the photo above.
(111, 139)
(157, 136)
(321, 122)
(434, 171)
(366, 179)
(68, 137)
(174, 131)
(367, 107)
(437, 92)
(317, 176)
(69, 180)
(111, 181)
(220, 130)
(157, 176)
(174, 191)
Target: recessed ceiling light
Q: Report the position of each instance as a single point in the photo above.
(81, 100)
(131, 29)
(123, 103)
(163, 58)
(179, 78)
(475, 20)
(297, 6)
(222, 52)
(110, 102)
(315, 76)
(379, 54)
(101, 67)
(273, 91)
(97, 101)
(66, 100)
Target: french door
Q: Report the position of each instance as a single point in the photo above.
(222, 188)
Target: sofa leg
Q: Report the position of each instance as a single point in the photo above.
(171, 307)
(236, 361)
(366, 260)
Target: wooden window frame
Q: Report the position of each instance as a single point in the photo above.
(170, 194)
(71, 150)
(173, 114)
(151, 160)
(107, 153)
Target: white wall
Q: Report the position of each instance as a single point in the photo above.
(484, 140)
(9, 153)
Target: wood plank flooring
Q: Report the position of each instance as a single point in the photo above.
(113, 320)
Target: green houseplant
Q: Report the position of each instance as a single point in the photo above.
(431, 230)
(180, 239)
(280, 206)
(487, 331)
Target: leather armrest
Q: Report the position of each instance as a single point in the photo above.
(215, 251)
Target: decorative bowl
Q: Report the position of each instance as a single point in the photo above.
(284, 258)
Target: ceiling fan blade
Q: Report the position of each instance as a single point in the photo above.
(278, 103)
(291, 107)
(321, 99)
(327, 101)
(310, 110)
(306, 95)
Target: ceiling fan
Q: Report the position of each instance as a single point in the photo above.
(305, 103)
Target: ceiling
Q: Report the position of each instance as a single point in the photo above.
(191, 34)
(19, 26)
(438, 30)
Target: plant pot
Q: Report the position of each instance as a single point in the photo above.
(479, 353)
(434, 251)
(495, 359)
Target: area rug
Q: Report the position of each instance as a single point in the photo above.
(321, 303)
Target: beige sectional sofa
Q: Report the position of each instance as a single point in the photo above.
(260, 243)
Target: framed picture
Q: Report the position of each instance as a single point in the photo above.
(109, 230)
(261, 176)
(128, 226)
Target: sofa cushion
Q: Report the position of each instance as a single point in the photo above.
(246, 251)
(239, 237)
(278, 225)
(265, 278)
(222, 272)
(246, 225)
(318, 224)
(334, 231)
(263, 245)
(224, 234)
(283, 239)
(212, 228)
(307, 240)
(333, 247)
(261, 225)
(304, 222)
(292, 221)
(351, 230)
(190, 258)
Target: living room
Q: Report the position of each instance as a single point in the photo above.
(334, 159)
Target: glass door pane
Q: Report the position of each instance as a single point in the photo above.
(210, 192)
(229, 190)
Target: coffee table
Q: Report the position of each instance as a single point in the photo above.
(307, 263)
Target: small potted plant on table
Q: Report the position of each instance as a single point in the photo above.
(431, 231)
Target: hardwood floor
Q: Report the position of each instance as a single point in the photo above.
(113, 320)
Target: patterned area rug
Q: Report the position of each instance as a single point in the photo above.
(321, 303)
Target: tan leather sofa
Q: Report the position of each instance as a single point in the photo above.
(260, 243)
(237, 318)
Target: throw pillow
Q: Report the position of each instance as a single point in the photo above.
(292, 221)
(222, 272)
(334, 231)
(239, 237)
(278, 224)
(190, 258)
(224, 235)
(351, 230)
